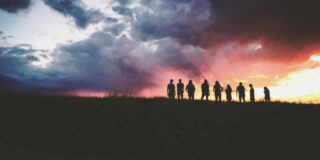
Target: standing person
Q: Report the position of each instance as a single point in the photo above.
(190, 89)
(180, 89)
(266, 94)
(171, 91)
(205, 90)
(228, 93)
(217, 89)
(241, 92)
(252, 97)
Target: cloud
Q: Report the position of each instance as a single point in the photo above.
(285, 28)
(13, 6)
(285, 21)
(76, 10)
(104, 62)
(218, 40)
(17, 63)
(182, 20)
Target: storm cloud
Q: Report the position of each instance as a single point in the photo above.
(194, 38)
(76, 10)
(287, 28)
(13, 6)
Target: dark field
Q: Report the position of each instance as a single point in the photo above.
(40, 127)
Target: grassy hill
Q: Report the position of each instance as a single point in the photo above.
(54, 127)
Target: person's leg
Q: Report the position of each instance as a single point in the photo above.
(202, 96)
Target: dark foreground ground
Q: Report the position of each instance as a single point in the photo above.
(39, 127)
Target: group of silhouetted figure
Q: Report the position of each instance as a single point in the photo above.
(217, 89)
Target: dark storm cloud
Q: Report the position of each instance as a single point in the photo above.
(15, 63)
(287, 22)
(13, 6)
(75, 9)
(98, 63)
(105, 63)
(179, 19)
(168, 35)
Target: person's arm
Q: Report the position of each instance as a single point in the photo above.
(168, 89)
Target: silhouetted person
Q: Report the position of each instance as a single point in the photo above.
(217, 89)
(266, 94)
(190, 89)
(180, 89)
(171, 90)
(228, 93)
(252, 97)
(241, 92)
(205, 90)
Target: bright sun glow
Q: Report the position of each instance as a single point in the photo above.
(315, 58)
(303, 84)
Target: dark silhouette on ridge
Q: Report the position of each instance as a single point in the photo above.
(217, 89)
(241, 93)
(180, 89)
(266, 94)
(252, 97)
(171, 91)
(190, 89)
(228, 93)
(205, 90)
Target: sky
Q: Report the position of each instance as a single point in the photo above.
(134, 47)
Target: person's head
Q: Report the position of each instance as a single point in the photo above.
(217, 82)
(205, 81)
(250, 85)
(171, 80)
(265, 88)
(190, 81)
(180, 81)
(228, 86)
(240, 84)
